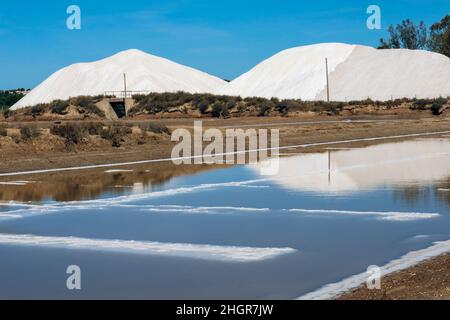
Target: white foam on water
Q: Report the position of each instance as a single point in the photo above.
(4, 216)
(117, 171)
(418, 237)
(21, 210)
(390, 216)
(169, 192)
(334, 290)
(208, 252)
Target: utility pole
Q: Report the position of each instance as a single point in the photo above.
(125, 85)
(125, 93)
(328, 81)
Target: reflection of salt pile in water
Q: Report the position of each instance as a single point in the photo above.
(144, 72)
(356, 73)
(365, 168)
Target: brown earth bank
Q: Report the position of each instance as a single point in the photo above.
(429, 280)
(51, 148)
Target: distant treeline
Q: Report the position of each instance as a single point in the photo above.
(10, 97)
(409, 35)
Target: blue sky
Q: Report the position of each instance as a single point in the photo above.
(224, 38)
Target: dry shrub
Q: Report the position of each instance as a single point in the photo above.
(116, 134)
(3, 130)
(72, 133)
(29, 132)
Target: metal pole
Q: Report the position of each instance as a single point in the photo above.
(125, 93)
(125, 85)
(328, 81)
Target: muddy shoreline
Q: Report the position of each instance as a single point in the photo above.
(429, 280)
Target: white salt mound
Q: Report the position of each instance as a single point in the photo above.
(355, 73)
(143, 71)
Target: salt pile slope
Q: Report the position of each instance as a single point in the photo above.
(144, 72)
(356, 73)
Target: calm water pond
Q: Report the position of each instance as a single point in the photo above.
(225, 232)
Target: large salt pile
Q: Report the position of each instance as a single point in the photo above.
(355, 73)
(144, 72)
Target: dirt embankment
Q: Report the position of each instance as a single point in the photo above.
(428, 280)
(48, 150)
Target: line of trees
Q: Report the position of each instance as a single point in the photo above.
(9, 97)
(409, 35)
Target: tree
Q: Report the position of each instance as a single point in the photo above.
(406, 35)
(440, 36)
(8, 98)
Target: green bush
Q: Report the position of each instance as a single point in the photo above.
(72, 133)
(93, 109)
(434, 104)
(9, 98)
(82, 101)
(38, 109)
(6, 113)
(59, 106)
(139, 97)
(265, 107)
(203, 106)
(436, 107)
(231, 104)
(283, 107)
(87, 105)
(219, 110)
(421, 104)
